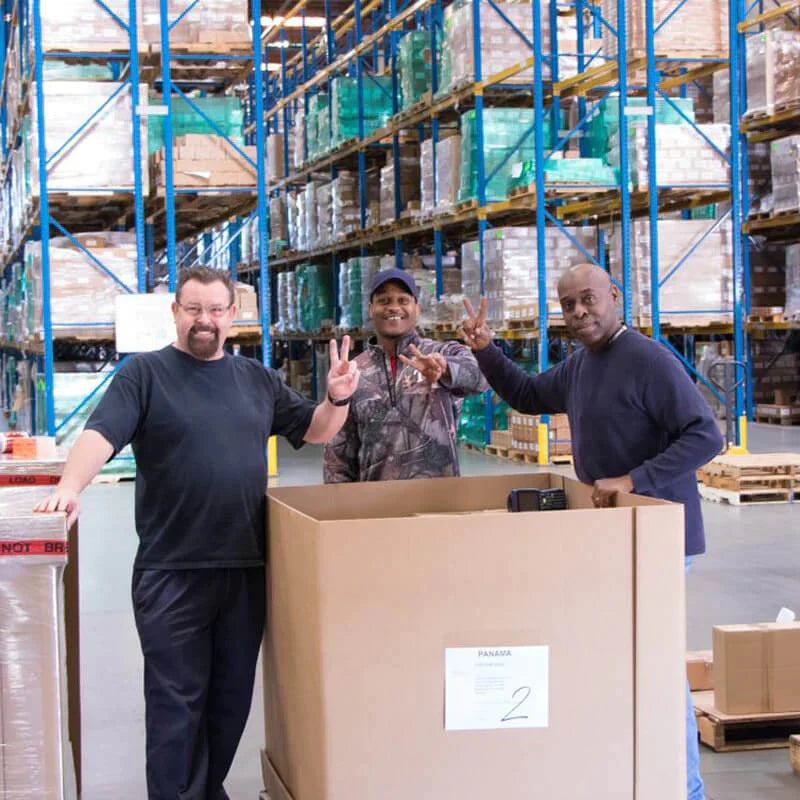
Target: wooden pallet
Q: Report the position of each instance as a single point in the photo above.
(497, 450)
(746, 496)
(727, 732)
(794, 753)
(755, 464)
(773, 414)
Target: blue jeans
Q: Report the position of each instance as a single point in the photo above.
(694, 781)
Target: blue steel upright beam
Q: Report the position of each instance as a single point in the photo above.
(624, 158)
(362, 157)
(539, 146)
(736, 9)
(652, 169)
(44, 215)
(169, 167)
(482, 221)
(263, 238)
(138, 190)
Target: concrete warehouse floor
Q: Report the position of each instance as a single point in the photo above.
(748, 573)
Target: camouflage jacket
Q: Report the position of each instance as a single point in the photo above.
(404, 428)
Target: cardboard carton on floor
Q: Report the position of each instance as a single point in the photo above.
(700, 670)
(757, 668)
(373, 585)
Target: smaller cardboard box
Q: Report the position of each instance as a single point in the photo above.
(757, 668)
(699, 670)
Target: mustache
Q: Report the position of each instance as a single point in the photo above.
(203, 329)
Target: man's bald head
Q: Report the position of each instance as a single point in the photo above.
(585, 274)
(589, 301)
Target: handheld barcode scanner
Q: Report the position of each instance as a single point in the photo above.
(537, 500)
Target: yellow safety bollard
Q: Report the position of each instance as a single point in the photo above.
(272, 456)
(544, 444)
(740, 449)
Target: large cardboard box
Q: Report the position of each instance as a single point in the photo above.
(371, 583)
(757, 668)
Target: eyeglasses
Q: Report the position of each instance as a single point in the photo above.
(194, 310)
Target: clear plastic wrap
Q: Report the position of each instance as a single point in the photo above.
(346, 207)
(212, 22)
(409, 184)
(792, 307)
(35, 752)
(101, 157)
(700, 290)
(80, 292)
(785, 162)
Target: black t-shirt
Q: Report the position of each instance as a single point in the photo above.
(199, 432)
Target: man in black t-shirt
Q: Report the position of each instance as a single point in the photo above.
(199, 420)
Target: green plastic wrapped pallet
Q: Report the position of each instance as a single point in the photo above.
(472, 428)
(564, 170)
(314, 298)
(605, 123)
(318, 126)
(414, 67)
(377, 96)
(508, 138)
(226, 113)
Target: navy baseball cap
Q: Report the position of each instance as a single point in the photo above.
(399, 275)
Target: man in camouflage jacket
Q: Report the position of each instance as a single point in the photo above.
(403, 419)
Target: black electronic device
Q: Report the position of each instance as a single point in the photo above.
(537, 500)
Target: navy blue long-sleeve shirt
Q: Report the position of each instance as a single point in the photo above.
(632, 409)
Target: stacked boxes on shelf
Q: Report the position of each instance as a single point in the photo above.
(414, 67)
(324, 232)
(775, 368)
(377, 99)
(86, 25)
(212, 23)
(472, 427)
(447, 174)
(767, 276)
(508, 137)
(695, 267)
(274, 161)
(287, 302)
(511, 275)
(683, 155)
(307, 217)
(101, 158)
(207, 115)
(314, 298)
(318, 126)
(785, 162)
(700, 28)
(201, 160)
(80, 292)
(772, 80)
(278, 225)
(792, 305)
(346, 206)
(409, 178)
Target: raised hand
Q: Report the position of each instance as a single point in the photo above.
(475, 331)
(432, 366)
(343, 374)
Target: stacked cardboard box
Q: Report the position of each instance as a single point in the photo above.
(757, 668)
(210, 115)
(525, 433)
(700, 290)
(307, 217)
(278, 223)
(775, 368)
(683, 156)
(697, 28)
(408, 177)
(768, 276)
(275, 162)
(282, 300)
(220, 24)
(80, 292)
(785, 160)
(771, 73)
(447, 173)
(414, 67)
(346, 205)
(792, 303)
(246, 303)
(299, 377)
(101, 157)
(202, 160)
(297, 135)
(85, 24)
(722, 96)
(511, 274)
(324, 232)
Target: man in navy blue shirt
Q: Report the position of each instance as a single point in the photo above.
(639, 424)
(199, 420)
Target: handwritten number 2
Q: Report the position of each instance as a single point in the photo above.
(527, 693)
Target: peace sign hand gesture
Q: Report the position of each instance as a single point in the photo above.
(474, 328)
(343, 374)
(433, 366)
